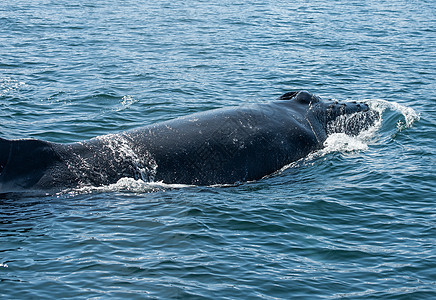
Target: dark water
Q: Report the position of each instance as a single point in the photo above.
(356, 220)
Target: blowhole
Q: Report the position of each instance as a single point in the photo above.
(288, 96)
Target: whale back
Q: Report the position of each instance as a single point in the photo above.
(4, 153)
(221, 146)
(24, 162)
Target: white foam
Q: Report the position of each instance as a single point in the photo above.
(126, 102)
(122, 149)
(341, 142)
(409, 114)
(126, 184)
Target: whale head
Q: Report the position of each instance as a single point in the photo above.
(347, 117)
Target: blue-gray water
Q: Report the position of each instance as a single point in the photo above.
(354, 221)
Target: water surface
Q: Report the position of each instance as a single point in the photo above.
(355, 220)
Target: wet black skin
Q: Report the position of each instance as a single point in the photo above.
(220, 146)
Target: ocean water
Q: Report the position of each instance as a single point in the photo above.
(355, 220)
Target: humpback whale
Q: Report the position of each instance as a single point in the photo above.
(221, 146)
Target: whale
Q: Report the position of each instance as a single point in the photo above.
(228, 145)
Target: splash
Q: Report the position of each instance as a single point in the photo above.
(126, 185)
(344, 134)
(122, 150)
(409, 114)
(125, 103)
(341, 142)
(112, 153)
(338, 141)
